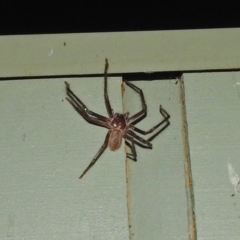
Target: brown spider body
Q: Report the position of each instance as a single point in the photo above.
(120, 125)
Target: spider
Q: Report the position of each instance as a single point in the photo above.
(119, 125)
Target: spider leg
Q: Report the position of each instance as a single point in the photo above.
(99, 153)
(85, 115)
(133, 135)
(80, 104)
(165, 120)
(132, 155)
(107, 102)
(143, 112)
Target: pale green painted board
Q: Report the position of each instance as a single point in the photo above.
(42, 196)
(213, 117)
(45, 145)
(157, 195)
(127, 51)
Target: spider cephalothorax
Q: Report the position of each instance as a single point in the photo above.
(119, 121)
(120, 125)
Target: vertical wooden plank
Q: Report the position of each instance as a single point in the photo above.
(213, 116)
(156, 182)
(45, 145)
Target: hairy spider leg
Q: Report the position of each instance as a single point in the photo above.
(138, 138)
(99, 153)
(85, 115)
(133, 137)
(130, 135)
(165, 120)
(107, 102)
(143, 112)
(131, 144)
(82, 106)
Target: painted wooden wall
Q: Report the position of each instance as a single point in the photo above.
(186, 187)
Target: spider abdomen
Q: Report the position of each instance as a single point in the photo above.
(115, 140)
